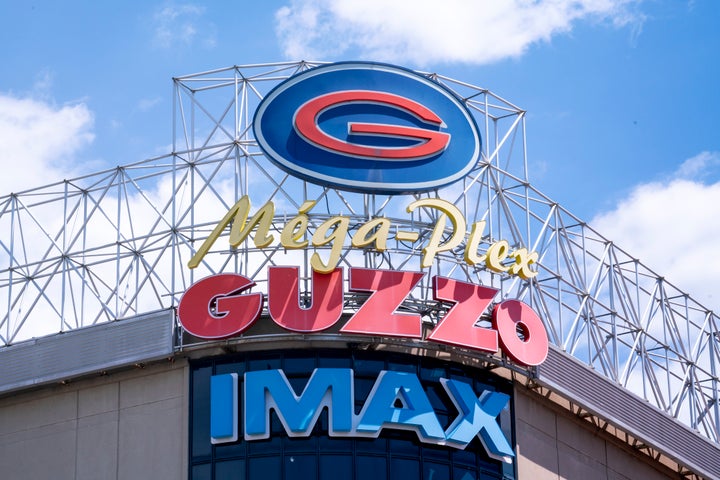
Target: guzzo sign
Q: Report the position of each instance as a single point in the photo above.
(217, 307)
(396, 401)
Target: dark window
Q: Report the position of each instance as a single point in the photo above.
(465, 473)
(436, 471)
(200, 385)
(299, 366)
(232, 469)
(300, 466)
(374, 467)
(333, 467)
(404, 468)
(201, 472)
(267, 468)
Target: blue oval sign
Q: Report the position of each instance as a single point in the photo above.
(368, 127)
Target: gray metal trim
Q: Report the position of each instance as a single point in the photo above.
(597, 394)
(87, 350)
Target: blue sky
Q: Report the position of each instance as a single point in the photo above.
(622, 96)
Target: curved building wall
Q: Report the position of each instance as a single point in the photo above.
(395, 453)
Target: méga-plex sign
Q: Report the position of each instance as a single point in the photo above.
(370, 128)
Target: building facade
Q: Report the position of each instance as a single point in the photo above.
(341, 271)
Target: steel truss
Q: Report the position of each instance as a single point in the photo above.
(116, 243)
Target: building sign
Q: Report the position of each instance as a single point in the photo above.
(371, 128)
(368, 127)
(397, 401)
(375, 129)
(374, 235)
(217, 307)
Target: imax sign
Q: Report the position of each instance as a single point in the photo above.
(396, 401)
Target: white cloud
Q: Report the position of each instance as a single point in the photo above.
(700, 166)
(39, 140)
(425, 31)
(146, 104)
(672, 228)
(182, 24)
(43, 84)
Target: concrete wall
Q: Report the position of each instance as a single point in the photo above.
(133, 425)
(554, 444)
(129, 425)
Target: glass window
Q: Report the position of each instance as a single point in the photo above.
(300, 467)
(362, 390)
(234, 367)
(202, 472)
(265, 468)
(299, 365)
(298, 384)
(436, 452)
(371, 467)
(465, 457)
(230, 450)
(405, 443)
(333, 467)
(404, 365)
(464, 473)
(436, 471)
(231, 470)
(432, 374)
(335, 444)
(265, 447)
(271, 363)
(331, 360)
(437, 396)
(300, 444)
(368, 366)
(201, 419)
(490, 475)
(404, 468)
(371, 445)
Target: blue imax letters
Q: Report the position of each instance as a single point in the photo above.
(397, 400)
(224, 393)
(268, 389)
(415, 412)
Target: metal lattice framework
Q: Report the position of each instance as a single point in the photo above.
(116, 243)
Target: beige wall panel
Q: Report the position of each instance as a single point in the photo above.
(40, 452)
(554, 444)
(124, 425)
(97, 446)
(622, 465)
(27, 411)
(99, 399)
(151, 441)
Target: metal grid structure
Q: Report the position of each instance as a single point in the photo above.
(116, 243)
